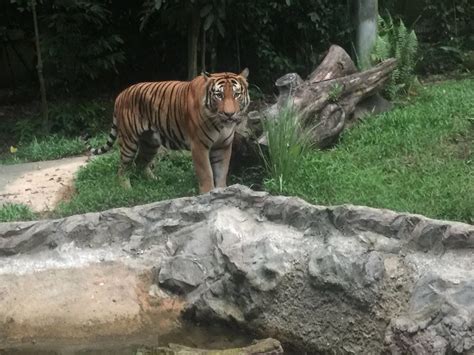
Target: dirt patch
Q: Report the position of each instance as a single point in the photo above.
(97, 302)
(39, 185)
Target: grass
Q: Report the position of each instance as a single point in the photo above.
(416, 158)
(98, 188)
(48, 148)
(287, 143)
(16, 212)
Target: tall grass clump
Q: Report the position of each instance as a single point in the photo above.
(287, 143)
(396, 41)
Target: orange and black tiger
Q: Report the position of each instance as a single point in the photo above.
(198, 115)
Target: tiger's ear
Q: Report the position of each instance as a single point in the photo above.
(206, 75)
(245, 73)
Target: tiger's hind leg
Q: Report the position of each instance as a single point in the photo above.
(128, 150)
(149, 144)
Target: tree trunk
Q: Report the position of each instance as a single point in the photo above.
(237, 43)
(203, 51)
(330, 100)
(213, 40)
(367, 12)
(39, 68)
(327, 100)
(193, 37)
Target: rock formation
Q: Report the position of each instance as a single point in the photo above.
(343, 279)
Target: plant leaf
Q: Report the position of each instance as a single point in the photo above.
(205, 10)
(208, 22)
(221, 28)
(158, 4)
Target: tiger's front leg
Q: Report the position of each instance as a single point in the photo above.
(220, 159)
(202, 166)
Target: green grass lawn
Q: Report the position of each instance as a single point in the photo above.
(416, 158)
(98, 187)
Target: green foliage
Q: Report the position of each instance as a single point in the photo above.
(288, 36)
(82, 40)
(448, 20)
(78, 42)
(335, 92)
(397, 41)
(447, 33)
(287, 143)
(416, 158)
(15, 212)
(443, 28)
(68, 118)
(71, 118)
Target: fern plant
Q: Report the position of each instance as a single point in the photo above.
(396, 41)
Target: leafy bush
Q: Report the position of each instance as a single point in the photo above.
(78, 43)
(399, 42)
(287, 143)
(287, 36)
(68, 118)
(74, 118)
(443, 28)
(447, 20)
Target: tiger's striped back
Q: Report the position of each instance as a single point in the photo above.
(199, 115)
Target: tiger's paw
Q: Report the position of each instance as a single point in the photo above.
(148, 173)
(125, 182)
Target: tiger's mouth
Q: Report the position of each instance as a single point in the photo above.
(229, 120)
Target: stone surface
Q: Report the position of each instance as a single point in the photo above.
(346, 279)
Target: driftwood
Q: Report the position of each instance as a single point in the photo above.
(332, 97)
(267, 346)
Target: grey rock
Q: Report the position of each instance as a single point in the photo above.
(438, 306)
(346, 264)
(344, 279)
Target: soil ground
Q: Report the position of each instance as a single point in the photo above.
(39, 185)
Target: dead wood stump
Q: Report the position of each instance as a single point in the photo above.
(327, 102)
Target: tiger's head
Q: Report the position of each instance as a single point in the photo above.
(227, 96)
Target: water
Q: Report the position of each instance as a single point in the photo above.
(216, 337)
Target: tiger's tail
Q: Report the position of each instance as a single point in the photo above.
(107, 146)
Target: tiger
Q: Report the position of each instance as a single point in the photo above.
(200, 115)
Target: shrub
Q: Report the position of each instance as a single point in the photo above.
(79, 43)
(397, 41)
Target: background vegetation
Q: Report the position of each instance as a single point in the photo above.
(120, 42)
(417, 158)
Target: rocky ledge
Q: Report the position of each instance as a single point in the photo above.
(343, 279)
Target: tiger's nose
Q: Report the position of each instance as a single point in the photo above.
(229, 114)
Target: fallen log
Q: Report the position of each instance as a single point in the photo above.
(334, 95)
(267, 346)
